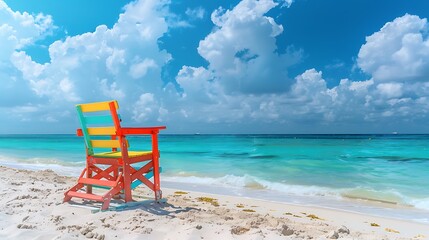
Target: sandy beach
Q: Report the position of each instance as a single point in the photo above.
(32, 208)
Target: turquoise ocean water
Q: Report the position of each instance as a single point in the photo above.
(351, 172)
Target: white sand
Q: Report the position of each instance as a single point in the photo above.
(31, 208)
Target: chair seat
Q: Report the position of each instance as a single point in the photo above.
(131, 154)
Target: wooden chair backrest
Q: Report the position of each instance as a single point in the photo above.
(100, 124)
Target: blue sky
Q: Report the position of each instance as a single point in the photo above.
(268, 66)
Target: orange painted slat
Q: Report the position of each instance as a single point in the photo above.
(92, 181)
(85, 196)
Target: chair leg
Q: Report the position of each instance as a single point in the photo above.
(89, 175)
(156, 180)
(66, 197)
(127, 182)
(106, 204)
(158, 195)
(112, 192)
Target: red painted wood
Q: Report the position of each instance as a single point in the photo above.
(97, 182)
(120, 174)
(145, 130)
(86, 196)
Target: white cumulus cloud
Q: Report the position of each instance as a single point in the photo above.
(398, 52)
(121, 62)
(245, 84)
(18, 30)
(241, 51)
(390, 90)
(196, 13)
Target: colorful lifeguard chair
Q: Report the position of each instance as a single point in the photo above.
(115, 170)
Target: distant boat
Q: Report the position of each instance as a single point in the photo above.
(197, 134)
(395, 133)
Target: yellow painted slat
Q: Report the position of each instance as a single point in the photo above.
(102, 131)
(105, 144)
(97, 106)
(119, 154)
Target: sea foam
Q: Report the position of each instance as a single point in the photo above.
(61, 167)
(249, 182)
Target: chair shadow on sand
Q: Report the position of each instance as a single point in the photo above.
(159, 208)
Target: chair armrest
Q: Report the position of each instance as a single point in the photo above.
(139, 131)
(79, 132)
(132, 130)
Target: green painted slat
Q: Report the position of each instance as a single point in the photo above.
(107, 119)
(148, 175)
(84, 130)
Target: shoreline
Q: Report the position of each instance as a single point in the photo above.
(33, 209)
(334, 202)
